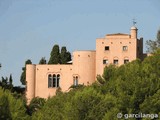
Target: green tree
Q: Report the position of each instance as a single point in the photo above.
(36, 104)
(4, 82)
(11, 108)
(54, 55)
(65, 56)
(42, 61)
(153, 45)
(23, 75)
(4, 107)
(10, 82)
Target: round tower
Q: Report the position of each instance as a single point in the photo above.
(134, 32)
(84, 66)
(30, 82)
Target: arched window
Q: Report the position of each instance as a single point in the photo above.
(58, 79)
(54, 80)
(49, 80)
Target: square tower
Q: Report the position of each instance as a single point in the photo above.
(118, 49)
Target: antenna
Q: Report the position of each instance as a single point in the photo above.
(134, 22)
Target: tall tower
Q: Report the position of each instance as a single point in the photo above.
(30, 81)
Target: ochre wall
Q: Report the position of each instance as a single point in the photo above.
(84, 65)
(42, 72)
(30, 82)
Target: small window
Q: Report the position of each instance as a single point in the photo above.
(75, 80)
(125, 48)
(126, 61)
(105, 61)
(115, 62)
(58, 79)
(49, 80)
(54, 80)
(106, 48)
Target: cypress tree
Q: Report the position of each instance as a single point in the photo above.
(54, 55)
(42, 61)
(65, 55)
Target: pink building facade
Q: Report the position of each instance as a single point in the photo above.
(43, 80)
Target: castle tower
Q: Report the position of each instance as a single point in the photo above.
(30, 81)
(134, 32)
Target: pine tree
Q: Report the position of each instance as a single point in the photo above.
(54, 55)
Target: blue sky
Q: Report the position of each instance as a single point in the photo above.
(30, 28)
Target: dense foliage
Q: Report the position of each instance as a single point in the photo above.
(59, 57)
(43, 61)
(6, 83)
(11, 108)
(130, 88)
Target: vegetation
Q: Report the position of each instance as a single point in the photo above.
(23, 75)
(6, 83)
(59, 58)
(43, 61)
(55, 55)
(65, 56)
(11, 108)
(153, 45)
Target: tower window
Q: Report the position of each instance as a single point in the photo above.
(125, 48)
(106, 48)
(105, 61)
(126, 61)
(115, 62)
(75, 80)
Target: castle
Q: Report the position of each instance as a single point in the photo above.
(118, 49)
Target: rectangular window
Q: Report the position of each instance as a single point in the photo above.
(106, 48)
(54, 82)
(105, 61)
(125, 48)
(115, 62)
(49, 81)
(126, 61)
(75, 81)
